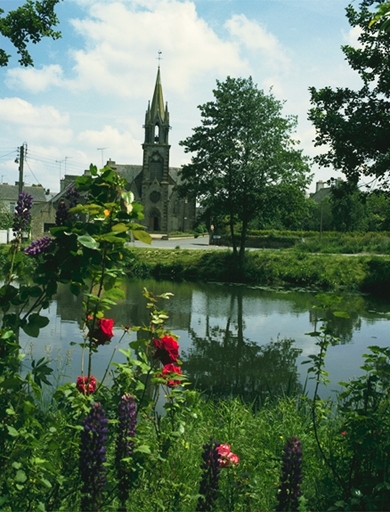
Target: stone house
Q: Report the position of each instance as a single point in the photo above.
(9, 195)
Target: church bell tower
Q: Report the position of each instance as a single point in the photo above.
(155, 167)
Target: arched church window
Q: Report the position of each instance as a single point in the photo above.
(156, 132)
(156, 168)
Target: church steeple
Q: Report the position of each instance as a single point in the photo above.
(157, 116)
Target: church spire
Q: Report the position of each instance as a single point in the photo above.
(157, 110)
(157, 115)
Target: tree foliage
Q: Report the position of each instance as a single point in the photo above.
(355, 125)
(242, 149)
(28, 23)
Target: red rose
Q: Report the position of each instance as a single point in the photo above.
(103, 333)
(86, 385)
(167, 349)
(168, 370)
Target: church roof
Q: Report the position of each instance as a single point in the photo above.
(158, 99)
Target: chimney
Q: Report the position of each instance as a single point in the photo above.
(319, 185)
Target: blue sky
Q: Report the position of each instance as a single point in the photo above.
(91, 88)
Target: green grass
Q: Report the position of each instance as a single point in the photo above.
(326, 272)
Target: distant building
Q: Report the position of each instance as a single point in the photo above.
(321, 192)
(153, 183)
(9, 195)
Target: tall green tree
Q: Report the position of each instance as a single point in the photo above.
(241, 150)
(347, 203)
(354, 126)
(28, 23)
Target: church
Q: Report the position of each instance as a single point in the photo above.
(154, 182)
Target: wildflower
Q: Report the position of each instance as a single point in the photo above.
(93, 457)
(103, 332)
(167, 370)
(289, 490)
(167, 349)
(127, 416)
(22, 215)
(227, 457)
(72, 196)
(38, 246)
(86, 385)
(343, 433)
(209, 483)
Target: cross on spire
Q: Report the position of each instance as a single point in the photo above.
(159, 57)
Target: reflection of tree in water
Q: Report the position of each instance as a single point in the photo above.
(340, 327)
(223, 363)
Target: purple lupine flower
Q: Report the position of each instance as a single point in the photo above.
(209, 484)
(72, 196)
(61, 213)
(22, 215)
(93, 457)
(127, 416)
(290, 485)
(38, 246)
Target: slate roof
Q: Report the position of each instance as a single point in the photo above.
(11, 193)
(320, 194)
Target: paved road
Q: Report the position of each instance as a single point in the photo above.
(201, 242)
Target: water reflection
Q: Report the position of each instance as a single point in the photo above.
(234, 339)
(224, 363)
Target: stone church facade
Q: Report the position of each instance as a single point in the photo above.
(154, 182)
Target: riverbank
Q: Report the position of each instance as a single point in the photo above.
(327, 272)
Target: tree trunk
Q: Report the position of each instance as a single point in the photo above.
(234, 241)
(242, 243)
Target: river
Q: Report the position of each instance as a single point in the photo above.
(234, 339)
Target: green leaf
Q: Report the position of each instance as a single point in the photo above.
(88, 241)
(46, 483)
(142, 236)
(341, 314)
(40, 321)
(31, 330)
(20, 476)
(121, 227)
(143, 449)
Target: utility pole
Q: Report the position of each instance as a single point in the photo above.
(22, 156)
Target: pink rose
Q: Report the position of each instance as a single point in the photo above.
(227, 457)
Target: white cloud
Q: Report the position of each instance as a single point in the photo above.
(352, 37)
(255, 37)
(34, 122)
(114, 143)
(121, 48)
(34, 80)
